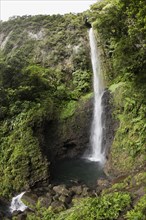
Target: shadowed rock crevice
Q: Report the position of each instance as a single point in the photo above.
(109, 123)
(68, 138)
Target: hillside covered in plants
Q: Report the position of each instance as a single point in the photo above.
(45, 100)
(44, 71)
(121, 28)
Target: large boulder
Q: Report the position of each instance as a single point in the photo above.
(58, 206)
(30, 199)
(62, 190)
(77, 190)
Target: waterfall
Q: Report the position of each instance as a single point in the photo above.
(17, 204)
(96, 153)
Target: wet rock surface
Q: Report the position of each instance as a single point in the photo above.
(30, 198)
(62, 190)
(103, 183)
(109, 124)
(67, 138)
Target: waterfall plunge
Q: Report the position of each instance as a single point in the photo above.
(96, 153)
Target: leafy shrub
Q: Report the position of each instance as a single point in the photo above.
(105, 207)
(36, 66)
(139, 211)
(120, 25)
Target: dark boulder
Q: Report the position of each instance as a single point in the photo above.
(30, 199)
(87, 23)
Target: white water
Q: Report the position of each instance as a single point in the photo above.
(17, 204)
(96, 129)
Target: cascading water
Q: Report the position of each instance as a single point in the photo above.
(96, 153)
(17, 204)
(89, 168)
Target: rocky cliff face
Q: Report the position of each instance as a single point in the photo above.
(109, 123)
(66, 138)
(69, 137)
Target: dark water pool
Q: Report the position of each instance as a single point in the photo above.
(70, 170)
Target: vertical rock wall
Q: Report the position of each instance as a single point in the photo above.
(109, 124)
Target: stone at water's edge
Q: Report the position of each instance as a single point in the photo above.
(77, 190)
(102, 183)
(57, 197)
(62, 190)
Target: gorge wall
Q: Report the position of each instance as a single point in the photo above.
(45, 100)
(46, 97)
(67, 138)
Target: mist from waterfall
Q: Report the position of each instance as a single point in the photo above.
(96, 153)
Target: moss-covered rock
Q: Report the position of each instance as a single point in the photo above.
(68, 136)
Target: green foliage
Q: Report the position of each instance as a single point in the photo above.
(68, 109)
(38, 57)
(115, 86)
(82, 81)
(87, 97)
(21, 161)
(138, 213)
(130, 136)
(121, 27)
(105, 207)
(49, 40)
(42, 213)
(128, 183)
